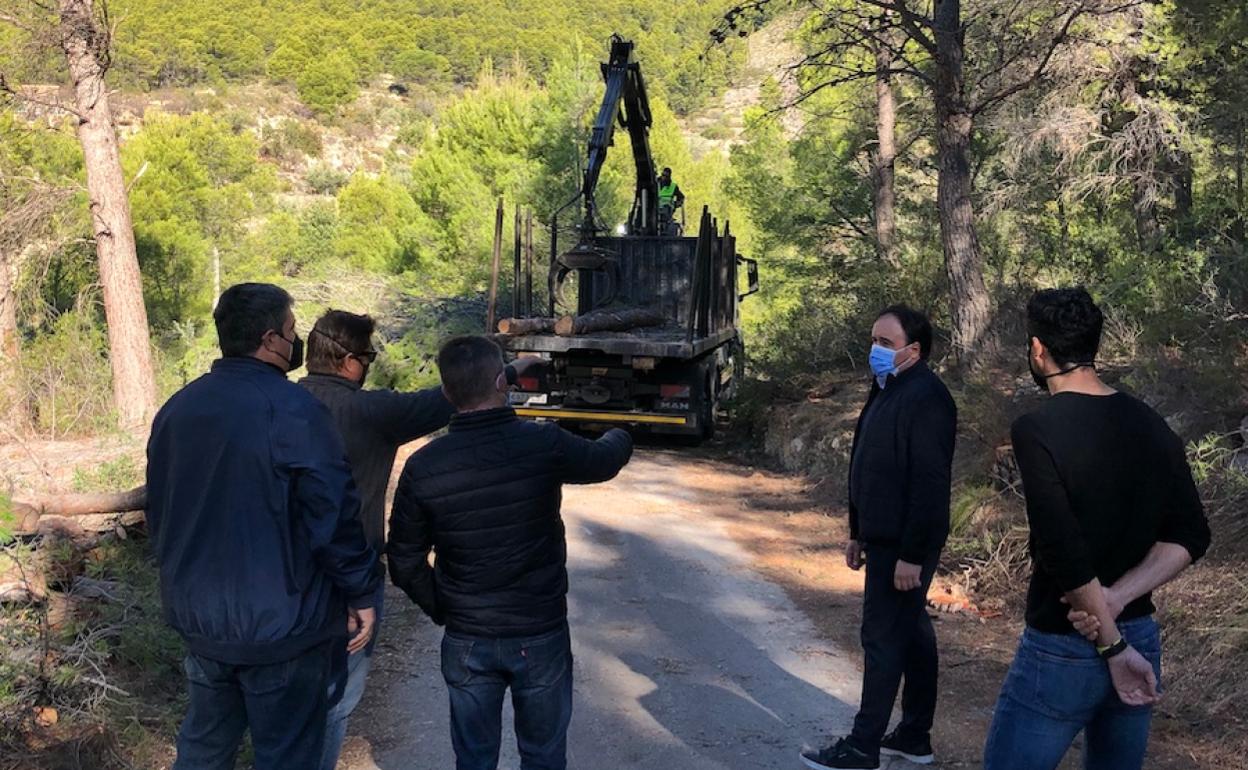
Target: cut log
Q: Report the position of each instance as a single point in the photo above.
(608, 321)
(29, 512)
(526, 325)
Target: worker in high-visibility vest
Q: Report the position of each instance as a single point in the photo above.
(670, 199)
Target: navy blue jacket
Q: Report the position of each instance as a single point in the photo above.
(901, 465)
(254, 517)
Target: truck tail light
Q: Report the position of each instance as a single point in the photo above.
(527, 384)
(674, 391)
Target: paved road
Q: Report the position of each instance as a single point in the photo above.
(685, 657)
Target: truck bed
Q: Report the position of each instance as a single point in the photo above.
(659, 342)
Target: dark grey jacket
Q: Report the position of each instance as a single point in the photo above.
(374, 424)
(900, 473)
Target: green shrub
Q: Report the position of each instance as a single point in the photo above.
(6, 519)
(66, 377)
(290, 140)
(109, 476)
(324, 179)
(329, 83)
(968, 500)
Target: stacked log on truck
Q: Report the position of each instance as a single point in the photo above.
(608, 320)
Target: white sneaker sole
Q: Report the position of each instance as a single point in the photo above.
(813, 765)
(918, 759)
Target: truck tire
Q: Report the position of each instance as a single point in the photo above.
(710, 405)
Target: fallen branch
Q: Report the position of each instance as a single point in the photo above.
(29, 512)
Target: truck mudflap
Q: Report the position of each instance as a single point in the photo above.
(602, 416)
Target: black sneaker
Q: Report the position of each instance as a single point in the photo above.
(917, 751)
(839, 756)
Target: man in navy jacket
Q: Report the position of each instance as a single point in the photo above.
(254, 518)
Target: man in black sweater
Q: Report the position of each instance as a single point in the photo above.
(373, 424)
(485, 498)
(1114, 514)
(899, 482)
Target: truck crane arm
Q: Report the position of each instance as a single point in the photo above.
(627, 105)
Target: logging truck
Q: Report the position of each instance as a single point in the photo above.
(649, 332)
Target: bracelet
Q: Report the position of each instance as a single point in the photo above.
(1113, 650)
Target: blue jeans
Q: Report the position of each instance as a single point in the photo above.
(1058, 686)
(283, 704)
(346, 688)
(538, 670)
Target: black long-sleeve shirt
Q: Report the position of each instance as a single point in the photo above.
(1105, 480)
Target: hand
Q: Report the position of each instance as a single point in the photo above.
(1133, 678)
(1087, 624)
(521, 365)
(853, 555)
(365, 623)
(907, 576)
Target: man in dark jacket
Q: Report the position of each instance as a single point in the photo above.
(373, 425)
(254, 520)
(485, 499)
(899, 483)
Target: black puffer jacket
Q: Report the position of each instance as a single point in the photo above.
(485, 499)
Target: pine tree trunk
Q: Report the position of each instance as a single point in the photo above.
(1144, 209)
(85, 45)
(8, 312)
(883, 161)
(970, 305)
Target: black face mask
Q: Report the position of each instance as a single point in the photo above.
(1042, 380)
(296, 352)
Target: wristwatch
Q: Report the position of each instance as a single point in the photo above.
(1117, 648)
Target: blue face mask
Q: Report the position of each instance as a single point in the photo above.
(883, 361)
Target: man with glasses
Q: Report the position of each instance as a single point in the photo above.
(373, 425)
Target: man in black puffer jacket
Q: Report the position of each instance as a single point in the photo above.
(485, 499)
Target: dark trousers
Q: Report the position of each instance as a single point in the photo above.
(898, 642)
(284, 705)
(538, 670)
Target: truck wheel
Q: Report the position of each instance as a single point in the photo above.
(710, 406)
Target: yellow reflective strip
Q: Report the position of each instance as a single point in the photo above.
(659, 419)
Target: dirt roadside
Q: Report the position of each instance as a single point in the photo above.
(796, 541)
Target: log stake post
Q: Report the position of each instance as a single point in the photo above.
(498, 257)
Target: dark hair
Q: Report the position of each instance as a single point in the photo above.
(666, 170)
(914, 324)
(470, 366)
(337, 334)
(1068, 322)
(245, 312)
